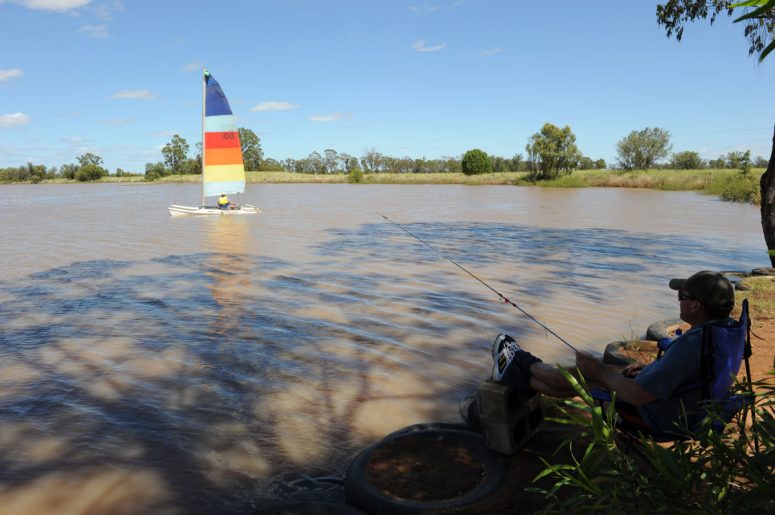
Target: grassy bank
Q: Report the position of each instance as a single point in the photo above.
(727, 184)
(761, 297)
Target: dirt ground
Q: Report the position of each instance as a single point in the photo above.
(763, 347)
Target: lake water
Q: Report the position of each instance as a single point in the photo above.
(188, 365)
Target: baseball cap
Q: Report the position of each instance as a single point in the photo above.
(712, 289)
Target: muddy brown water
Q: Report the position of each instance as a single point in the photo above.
(183, 365)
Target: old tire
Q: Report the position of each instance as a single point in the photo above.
(362, 491)
(308, 508)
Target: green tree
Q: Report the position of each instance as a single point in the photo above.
(154, 170)
(89, 159)
(745, 163)
(516, 163)
(347, 163)
(91, 168)
(552, 152)
(271, 164)
(252, 153)
(90, 172)
(355, 175)
(759, 23)
(191, 167)
(687, 160)
(586, 163)
(642, 149)
(476, 162)
(372, 161)
(175, 153)
(68, 171)
(736, 160)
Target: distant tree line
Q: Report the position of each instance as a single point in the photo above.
(550, 153)
(89, 168)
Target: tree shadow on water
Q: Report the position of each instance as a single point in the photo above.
(187, 383)
(194, 383)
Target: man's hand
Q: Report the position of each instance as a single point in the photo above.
(590, 366)
(633, 370)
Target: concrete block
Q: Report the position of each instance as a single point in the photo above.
(498, 401)
(508, 435)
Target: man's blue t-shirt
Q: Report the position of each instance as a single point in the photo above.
(669, 380)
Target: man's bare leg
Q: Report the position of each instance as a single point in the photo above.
(548, 379)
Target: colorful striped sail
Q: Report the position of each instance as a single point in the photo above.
(223, 170)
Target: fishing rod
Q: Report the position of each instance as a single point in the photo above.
(503, 297)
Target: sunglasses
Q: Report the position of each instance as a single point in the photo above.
(682, 295)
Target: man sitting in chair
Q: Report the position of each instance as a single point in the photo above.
(652, 396)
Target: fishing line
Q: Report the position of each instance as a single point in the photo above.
(506, 300)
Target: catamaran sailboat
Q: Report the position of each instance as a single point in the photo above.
(223, 171)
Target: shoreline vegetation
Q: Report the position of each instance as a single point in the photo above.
(731, 185)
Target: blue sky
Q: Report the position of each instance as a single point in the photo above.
(419, 78)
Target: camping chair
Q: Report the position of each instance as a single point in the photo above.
(724, 348)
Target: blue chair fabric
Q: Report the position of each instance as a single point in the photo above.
(725, 347)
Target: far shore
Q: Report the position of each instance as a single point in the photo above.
(728, 184)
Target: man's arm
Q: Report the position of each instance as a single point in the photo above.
(626, 388)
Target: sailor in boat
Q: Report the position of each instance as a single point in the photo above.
(223, 202)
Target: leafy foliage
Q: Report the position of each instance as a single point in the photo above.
(727, 473)
(90, 172)
(476, 162)
(642, 149)
(154, 171)
(355, 175)
(89, 159)
(175, 153)
(687, 160)
(91, 168)
(252, 153)
(27, 173)
(759, 24)
(552, 152)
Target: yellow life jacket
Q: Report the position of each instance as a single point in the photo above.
(223, 201)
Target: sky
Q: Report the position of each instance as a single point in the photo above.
(417, 78)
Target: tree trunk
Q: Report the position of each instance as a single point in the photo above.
(767, 184)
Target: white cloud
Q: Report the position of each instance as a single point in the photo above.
(333, 117)
(52, 5)
(192, 67)
(420, 47)
(13, 120)
(142, 94)
(434, 7)
(95, 31)
(104, 10)
(274, 105)
(10, 74)
(489, 52)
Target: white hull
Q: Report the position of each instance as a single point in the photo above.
(245, 209)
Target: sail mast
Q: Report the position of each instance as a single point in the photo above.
(204, 92)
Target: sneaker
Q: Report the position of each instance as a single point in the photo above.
(504, 350)
(500, 341)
